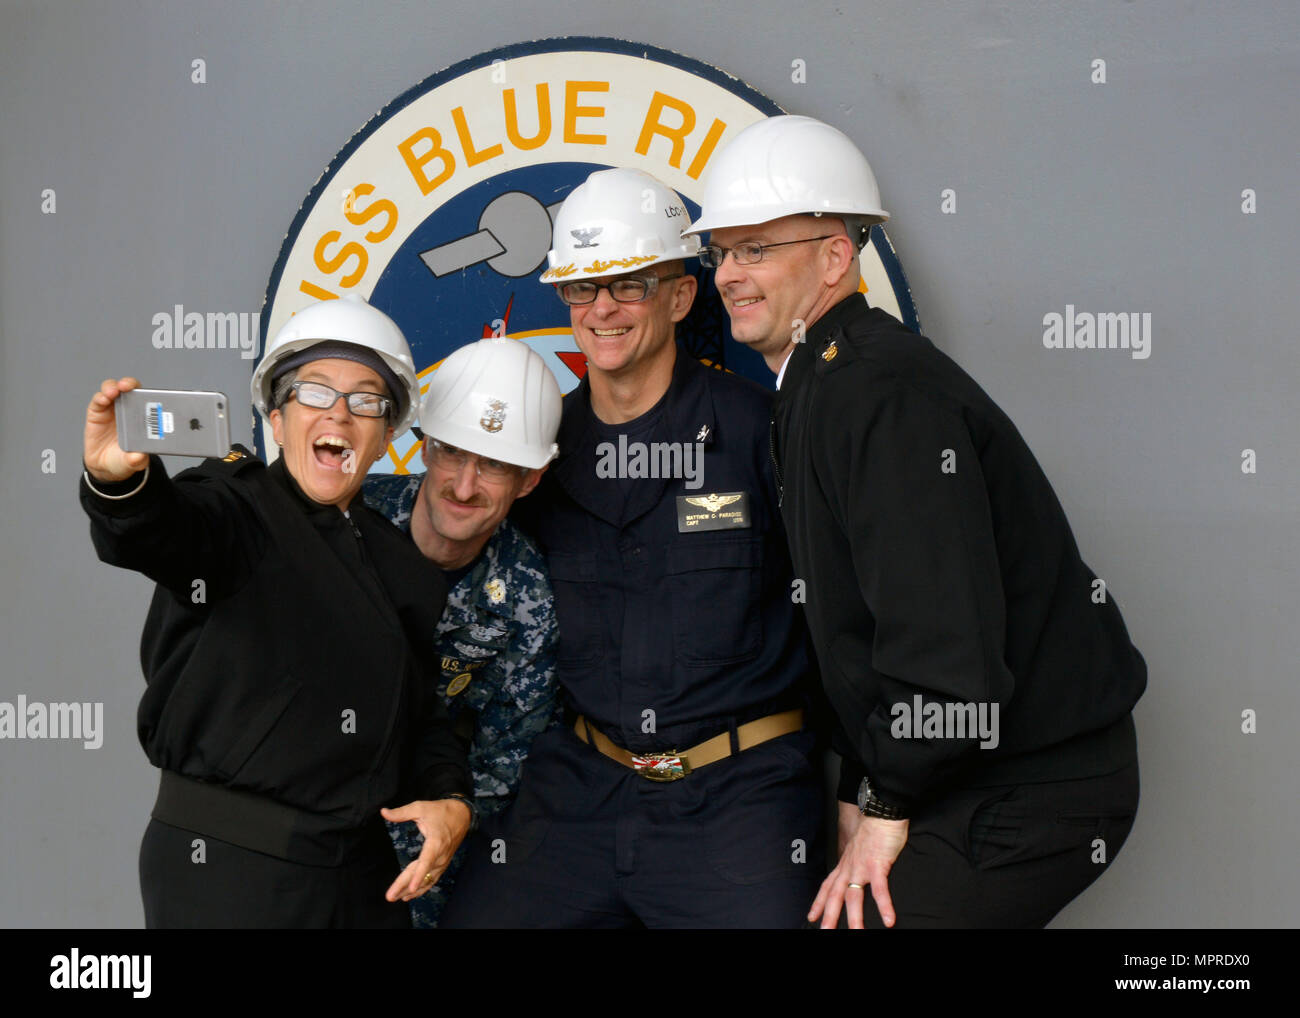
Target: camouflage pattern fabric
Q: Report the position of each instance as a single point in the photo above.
(497, 637)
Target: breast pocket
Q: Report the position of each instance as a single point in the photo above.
(714, 588)
(577, 608)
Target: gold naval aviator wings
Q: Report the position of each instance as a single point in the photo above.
(712, 502)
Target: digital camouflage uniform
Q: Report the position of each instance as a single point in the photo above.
(497, 638)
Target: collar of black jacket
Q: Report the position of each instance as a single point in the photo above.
(817, 336)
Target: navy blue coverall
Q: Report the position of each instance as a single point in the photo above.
(667, 638)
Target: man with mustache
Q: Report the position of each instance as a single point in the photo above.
(489, 420)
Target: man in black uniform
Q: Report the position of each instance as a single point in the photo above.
(682, 793)
(982, 676)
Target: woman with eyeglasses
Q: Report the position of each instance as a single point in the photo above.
(289, 650)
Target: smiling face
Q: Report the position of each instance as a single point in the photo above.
(329, 451)
(798, 282)
(627, 339)
(458, 510)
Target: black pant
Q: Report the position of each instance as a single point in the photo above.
(1008, 857)
(237, 888)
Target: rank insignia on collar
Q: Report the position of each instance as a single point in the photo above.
(234, 456)
(831, 352)
(495, 590)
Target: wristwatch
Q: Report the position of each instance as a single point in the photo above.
(873, 807)
(473, 809)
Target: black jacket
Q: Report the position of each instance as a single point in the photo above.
(939, 563)
(288, 651)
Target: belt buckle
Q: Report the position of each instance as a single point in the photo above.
(661, 766)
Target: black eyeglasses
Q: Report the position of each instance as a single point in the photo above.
(320, 396)
(748, 253)
(625, 289)
(449, 457)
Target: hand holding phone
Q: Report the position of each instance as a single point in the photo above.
(104, 458)
(121, 418)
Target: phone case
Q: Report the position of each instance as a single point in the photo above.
(174, 422)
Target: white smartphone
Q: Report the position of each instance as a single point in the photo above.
(174, 422)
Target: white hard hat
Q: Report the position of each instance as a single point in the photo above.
(785, 166)
(616, 221)
(496, 398)
(348, 319)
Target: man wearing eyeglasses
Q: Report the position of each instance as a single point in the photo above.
(488, 419)
(981, 674)
(681, 791)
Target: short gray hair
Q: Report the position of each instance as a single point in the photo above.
(280, 390)
(858, 228)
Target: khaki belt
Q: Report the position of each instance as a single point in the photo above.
(676, 764)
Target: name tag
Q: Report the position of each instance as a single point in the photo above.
(719, 511)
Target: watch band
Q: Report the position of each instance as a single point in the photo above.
(473, 808)
(875, 808)
(871, 806)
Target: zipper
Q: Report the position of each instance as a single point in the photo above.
(776, 463)
(367, 563)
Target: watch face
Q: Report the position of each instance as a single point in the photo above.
(864, 794)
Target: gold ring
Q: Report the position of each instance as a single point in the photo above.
(428, 878)
(858, 886)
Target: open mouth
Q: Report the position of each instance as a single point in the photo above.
(745, 302)
(331, 451)
(607, 333)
